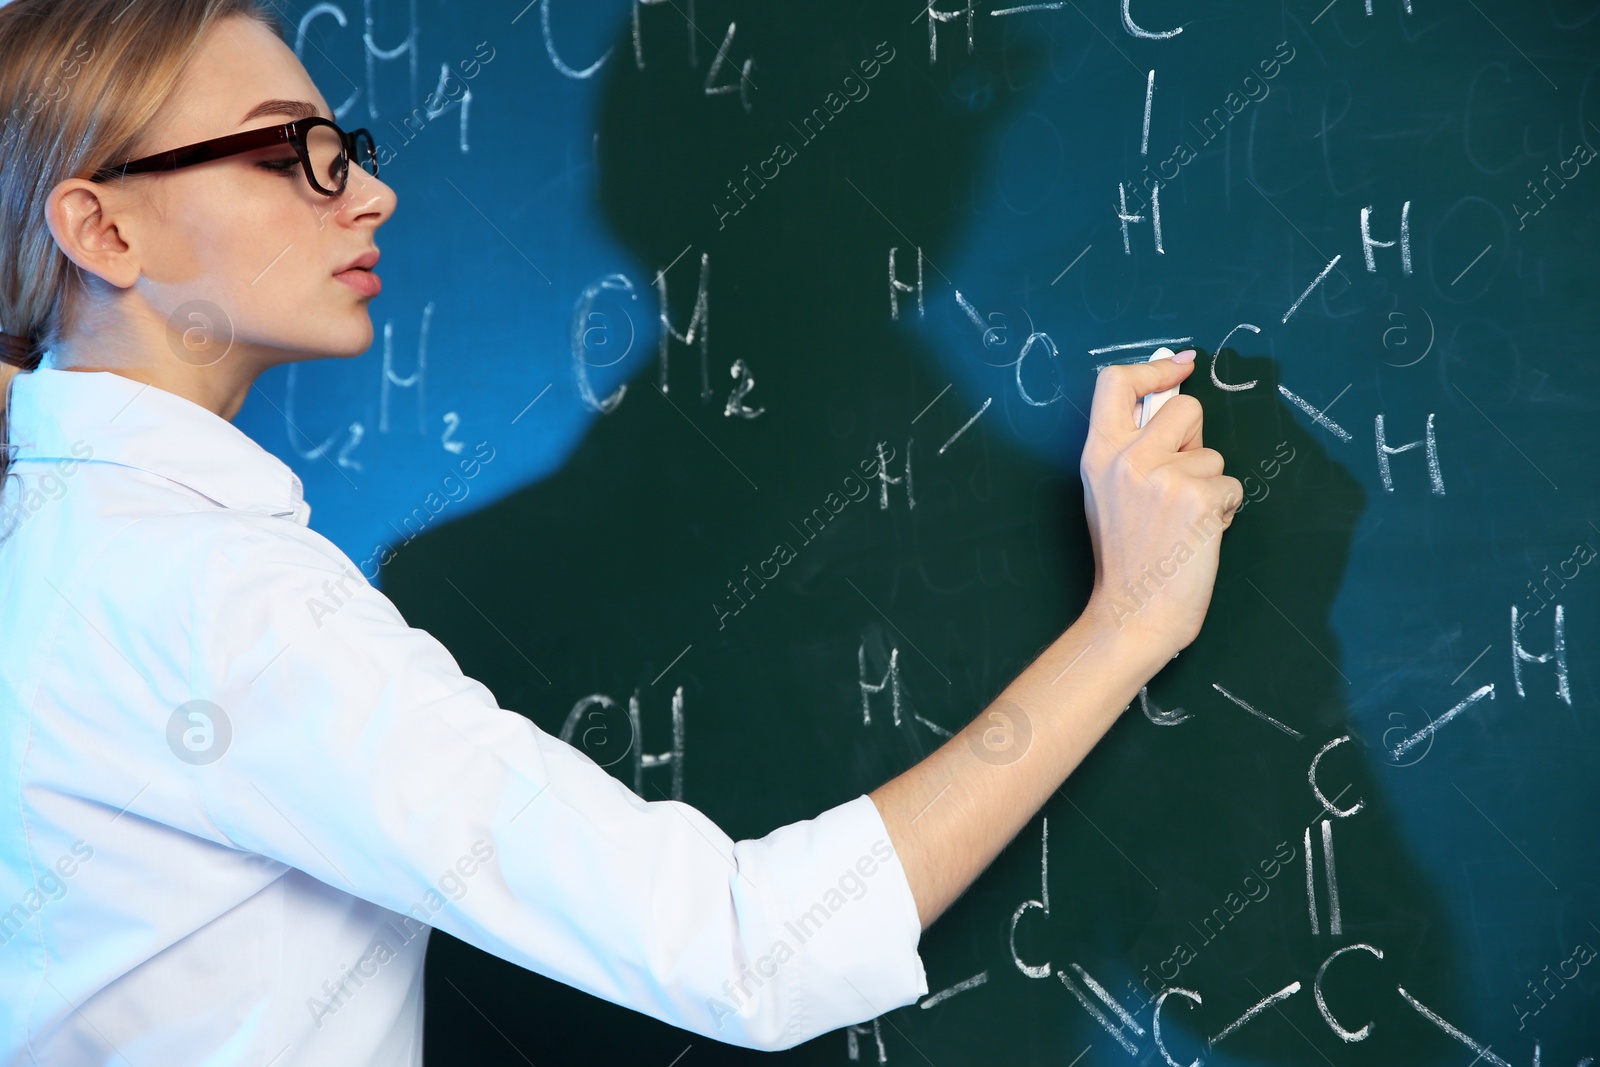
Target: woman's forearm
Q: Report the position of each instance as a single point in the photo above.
(951, 814)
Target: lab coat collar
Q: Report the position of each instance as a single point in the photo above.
(136, 425)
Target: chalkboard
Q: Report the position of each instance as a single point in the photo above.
(663, 275)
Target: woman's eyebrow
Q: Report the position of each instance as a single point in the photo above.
(294, 109)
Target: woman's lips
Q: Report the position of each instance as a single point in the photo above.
(364, 282)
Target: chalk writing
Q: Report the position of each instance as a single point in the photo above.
(1125, 1022)
(1346, 1035)
(1256, 1009)
(896, 286)
(597, 738)
(1042, 903)
(960, 987)
(1385, 450)
(1558, 652)
(1434, 1018)
(1368, 242)
(1263, 716)
(1427, 731)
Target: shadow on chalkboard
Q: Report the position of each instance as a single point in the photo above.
(1206, 799)
(597, 578)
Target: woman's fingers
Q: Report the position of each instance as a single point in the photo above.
(1177, 426)
(1121, 387)
(1229, 496)
(1199, 462)
(1232, 491)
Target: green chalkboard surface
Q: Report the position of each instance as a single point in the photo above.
(1354, 823)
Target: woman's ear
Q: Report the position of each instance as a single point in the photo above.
(82, 217)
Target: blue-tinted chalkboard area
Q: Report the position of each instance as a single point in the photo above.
(768, 332)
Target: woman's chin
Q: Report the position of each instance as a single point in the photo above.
(346, 343)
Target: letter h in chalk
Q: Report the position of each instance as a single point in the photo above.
(1385, 450)
(642, 760)
(1368, 243)
(880, 470)
(1125, 217)
(896, 286)
(1520, 655)
(935, 16)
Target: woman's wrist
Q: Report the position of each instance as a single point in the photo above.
(1121, 642)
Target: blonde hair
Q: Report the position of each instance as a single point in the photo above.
(81, 81)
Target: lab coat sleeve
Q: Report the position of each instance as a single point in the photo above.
(361, 754)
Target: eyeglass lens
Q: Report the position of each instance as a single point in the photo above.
(329, 163)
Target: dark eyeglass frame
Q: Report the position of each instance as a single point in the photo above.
(356, 144)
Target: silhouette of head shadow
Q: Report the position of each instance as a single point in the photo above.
(899, 615)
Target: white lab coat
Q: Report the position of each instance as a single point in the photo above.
(229, 818)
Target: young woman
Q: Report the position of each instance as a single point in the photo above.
(229, 820)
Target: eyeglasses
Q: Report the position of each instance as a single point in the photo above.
(323, 149)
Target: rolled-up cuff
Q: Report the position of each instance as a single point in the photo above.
(846, 928)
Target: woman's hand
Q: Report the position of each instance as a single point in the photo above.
(1157, 503)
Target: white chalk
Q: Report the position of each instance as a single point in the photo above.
(1153, 401)
(1434, 1018)
(1484, 691)
(960, 987)
(1311, 884)
(1259, 1006)
(1335, 927)
(1291, 731)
